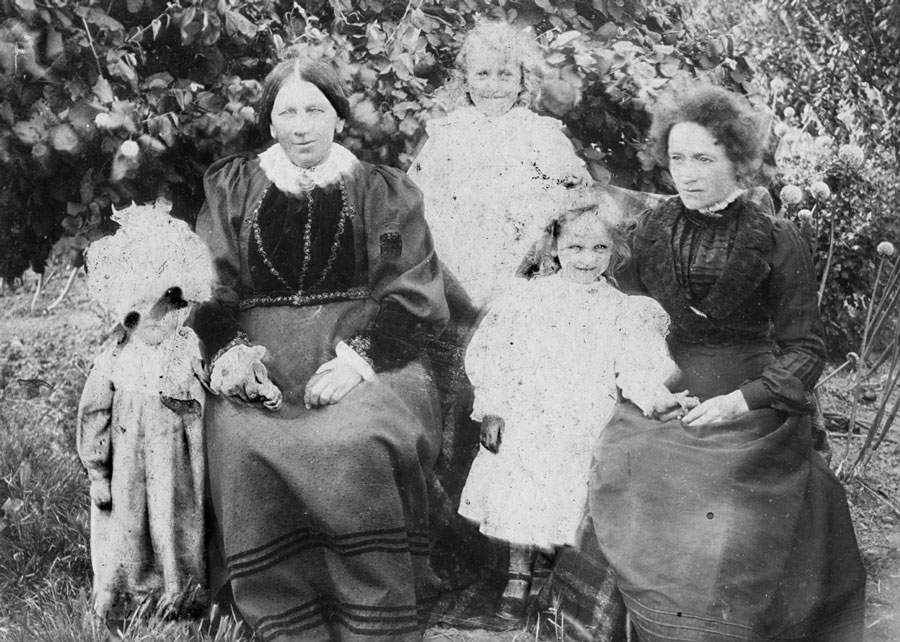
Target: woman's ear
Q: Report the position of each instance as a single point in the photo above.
(272, 132)
(339, 127)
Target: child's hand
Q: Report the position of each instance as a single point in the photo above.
(101, 495)
(673, 405)
(492, 432)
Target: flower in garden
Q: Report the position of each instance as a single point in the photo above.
(103, 120)
(805, 215)
(781, 128)
(886, 248)
(789, 112)
(129, 149)
(791, 194)
(820, 190)
(851, 154)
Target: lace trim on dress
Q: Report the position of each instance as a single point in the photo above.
(713, 211)
(295, 180)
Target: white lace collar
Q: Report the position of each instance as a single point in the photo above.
(714, 209)
(292, 179)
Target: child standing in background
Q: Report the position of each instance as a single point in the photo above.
(140, 418)
(546, 364)
(492, 169)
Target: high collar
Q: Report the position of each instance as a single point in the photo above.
(715, 210)
(291, 179)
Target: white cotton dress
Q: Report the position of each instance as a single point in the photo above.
(491, 185)
(140, 427)
(548, 358)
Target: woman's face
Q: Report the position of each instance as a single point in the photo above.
(703, 173)
(493, 81)
(304, 122)
(584, 249)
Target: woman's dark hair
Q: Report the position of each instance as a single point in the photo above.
(321, 74)
(729, 118)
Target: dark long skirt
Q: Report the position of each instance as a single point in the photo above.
(732, 531)
(322, 515)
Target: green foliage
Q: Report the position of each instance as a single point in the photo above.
(105, 102)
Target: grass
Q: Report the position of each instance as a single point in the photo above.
(44, 561)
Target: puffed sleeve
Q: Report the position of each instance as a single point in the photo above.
(797, 328)
(554, 153)
(643, 363)
(226, 185)
(93, 440)
(404, 274)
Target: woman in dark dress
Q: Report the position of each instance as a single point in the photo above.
(323, 434)
(725, 524)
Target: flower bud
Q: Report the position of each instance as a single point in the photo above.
(820, 190)
(791, 194)
(886, 248)
(789, 112)
(805, 215)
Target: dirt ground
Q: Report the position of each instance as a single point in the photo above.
(43, 354)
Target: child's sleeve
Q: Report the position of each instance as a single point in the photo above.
(555, 153)
(643, 362)
(93, 439)
(489, 362)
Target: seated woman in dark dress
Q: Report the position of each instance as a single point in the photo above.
(324, 432)
(725, 524)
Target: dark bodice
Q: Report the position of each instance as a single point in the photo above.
(304, 244)
(743, 278)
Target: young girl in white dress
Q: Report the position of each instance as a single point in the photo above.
(492, 169)
(140, 418)
(546, 364)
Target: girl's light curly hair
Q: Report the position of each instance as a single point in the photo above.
(501, 37)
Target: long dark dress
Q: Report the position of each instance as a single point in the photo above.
(735, 530)
(321, 515)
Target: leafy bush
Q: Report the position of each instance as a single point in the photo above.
(105, 102)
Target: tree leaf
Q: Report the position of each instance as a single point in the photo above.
(103, 90)
(64, 139)
(237, 23)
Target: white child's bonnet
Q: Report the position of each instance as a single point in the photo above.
(149, 254)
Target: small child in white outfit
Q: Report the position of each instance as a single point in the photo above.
(547, 363)
(140, 418)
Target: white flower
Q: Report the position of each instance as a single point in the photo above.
(789, 112)
(851, 154)
(886, 248)
(805, 215)
(820, 190)
(791, 194)
(130, 149)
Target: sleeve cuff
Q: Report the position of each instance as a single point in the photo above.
(349, 356)
(239, 339)
(756, 394)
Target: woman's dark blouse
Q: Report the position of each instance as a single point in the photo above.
(364, 237)
(740, 278)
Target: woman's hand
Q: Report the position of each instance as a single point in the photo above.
(332, 381)
(241, 373)
(492, 432)
(721, 408)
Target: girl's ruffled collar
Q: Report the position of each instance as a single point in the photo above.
(291, 179)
